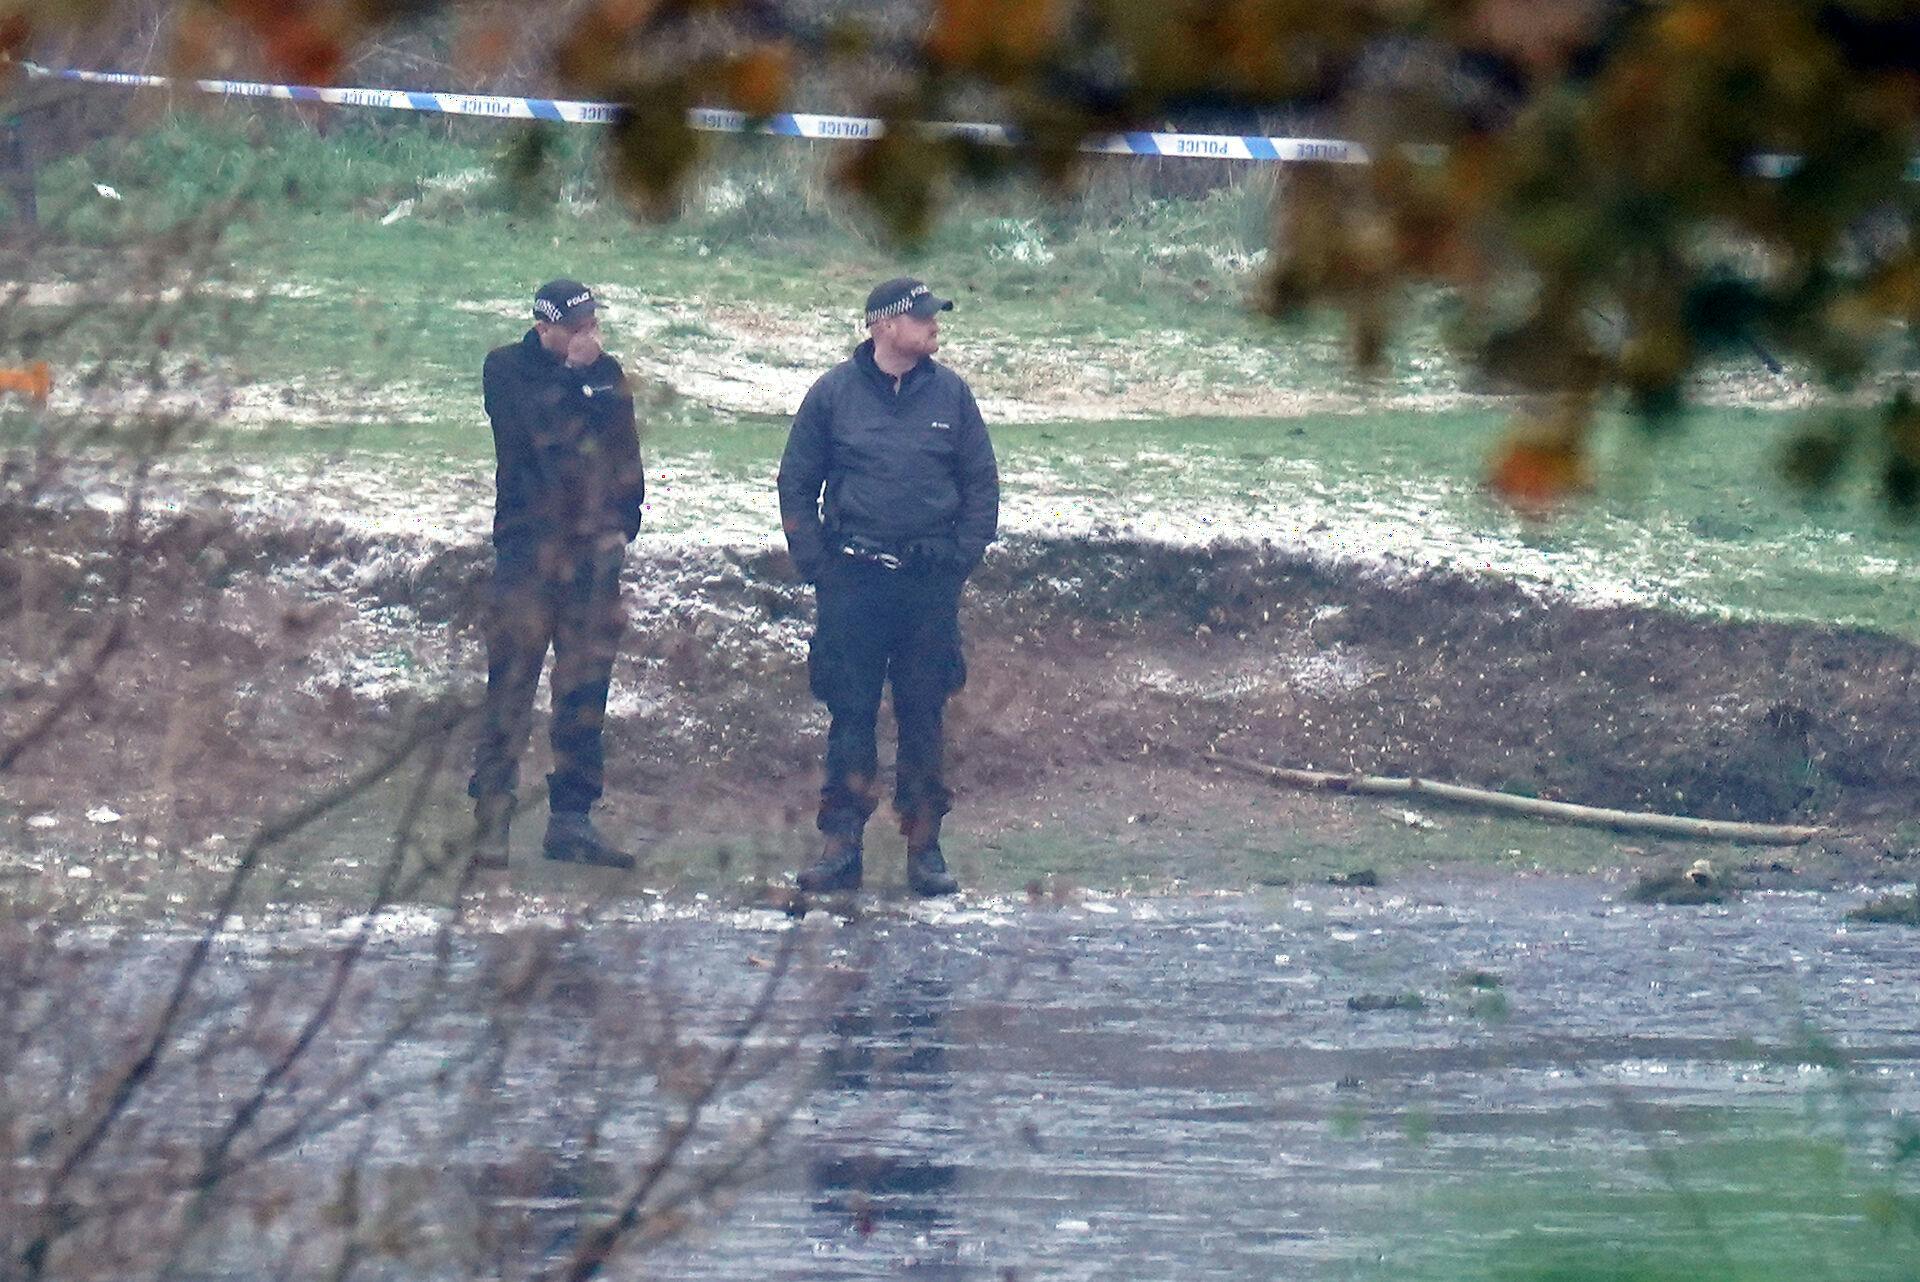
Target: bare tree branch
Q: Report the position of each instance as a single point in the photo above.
(598, 1247)
(53, 1221)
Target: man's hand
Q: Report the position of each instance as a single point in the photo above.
(583, 349)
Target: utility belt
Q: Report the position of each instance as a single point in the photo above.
(858, 547)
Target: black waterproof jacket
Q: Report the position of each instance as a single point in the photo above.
(568, 453)
(895, 466)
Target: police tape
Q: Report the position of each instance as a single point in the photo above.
(785, 125)
(805, 125)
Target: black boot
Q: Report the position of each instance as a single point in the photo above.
(572, 838)
(838, 867)
(492, 817)
(927, 874)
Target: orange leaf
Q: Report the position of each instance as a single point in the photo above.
(627, 15)
(199, 38)
(1534, 475)
(1537, 34)
(1697, 27)
(34, 381)
(589, 52)
(483, 46)
(971, 33)
(757, 81)
(960, 31)
(298, 43)
(15, 31)
(304, 52)
(1251, 52)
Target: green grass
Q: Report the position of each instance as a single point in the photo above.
(371, 336)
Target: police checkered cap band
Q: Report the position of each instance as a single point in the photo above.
(559, 300)
(901, 295)
(899, 307)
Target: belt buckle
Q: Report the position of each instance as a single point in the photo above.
(862, 550)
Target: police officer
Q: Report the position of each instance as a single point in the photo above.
(568, 494)
(889, 495)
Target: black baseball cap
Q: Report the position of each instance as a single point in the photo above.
(901, 296)
(563, 300)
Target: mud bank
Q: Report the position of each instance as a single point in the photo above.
(263, 662)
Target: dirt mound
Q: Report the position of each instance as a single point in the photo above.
(262, 662)
(1271, 654)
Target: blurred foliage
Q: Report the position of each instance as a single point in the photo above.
(1748, 1195)
(1617, 190)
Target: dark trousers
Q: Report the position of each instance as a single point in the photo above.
(569, 599)
(878, 626)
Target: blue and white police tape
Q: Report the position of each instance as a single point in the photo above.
(786, 124)
(798, 124)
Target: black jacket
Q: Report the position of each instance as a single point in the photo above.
(568, 452)
(895, 466)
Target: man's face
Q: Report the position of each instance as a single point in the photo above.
(556, 335)
(913, 335)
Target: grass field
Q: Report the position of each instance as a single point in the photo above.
(334, 350)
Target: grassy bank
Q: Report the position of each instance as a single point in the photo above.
(329, 358)
(365, 271)
(1689, 528)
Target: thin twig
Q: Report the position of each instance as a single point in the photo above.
(214, 1167)
(120, 1092)
(599, 1245)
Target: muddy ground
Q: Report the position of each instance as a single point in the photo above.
(261, 665)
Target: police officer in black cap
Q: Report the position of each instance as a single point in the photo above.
(568, 495)
(889, 495)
